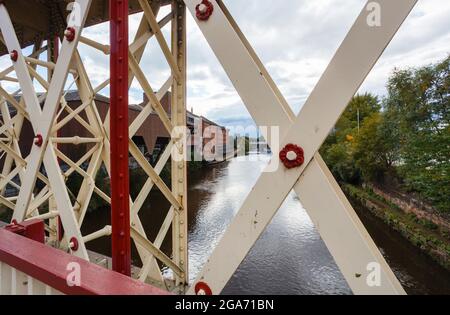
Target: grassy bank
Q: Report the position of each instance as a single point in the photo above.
(430, 238)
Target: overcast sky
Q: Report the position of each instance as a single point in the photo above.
(295, 40)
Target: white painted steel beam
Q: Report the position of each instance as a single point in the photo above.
(42, 121)
(49, 120)
(179, 166)
(353, 251)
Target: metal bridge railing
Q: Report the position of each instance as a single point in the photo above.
(29, 267)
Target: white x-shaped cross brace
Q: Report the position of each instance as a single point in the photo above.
(42, 121)
(339, 226)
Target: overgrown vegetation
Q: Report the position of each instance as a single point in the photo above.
(427, 236)
(402, 139)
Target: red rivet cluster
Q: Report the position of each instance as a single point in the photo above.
(69, 33)
(298, 161)
(38, 140)
(201, 288)
(204, 10)
(14, 55)
(74, 244)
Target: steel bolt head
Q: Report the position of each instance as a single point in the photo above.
(69, 33)
(202, 8)
(38, 140)
(73, 244)
(14, 55)
(201, 288)
(291, 155)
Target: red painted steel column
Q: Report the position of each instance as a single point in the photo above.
(53, 50)
(120, 207)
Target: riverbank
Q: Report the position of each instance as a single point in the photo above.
(303, 265)
(430, 238)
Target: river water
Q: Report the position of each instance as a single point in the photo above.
(290, 257)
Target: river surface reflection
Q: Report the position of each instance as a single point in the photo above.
(290, 257)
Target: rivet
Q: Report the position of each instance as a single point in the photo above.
(38, 140)
(69, 33)
(14, 55)
(73, 243)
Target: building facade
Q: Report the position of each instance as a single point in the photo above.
(151, 137)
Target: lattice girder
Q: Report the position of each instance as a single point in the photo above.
(40, 178)
(47, 203)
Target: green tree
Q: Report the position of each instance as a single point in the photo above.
(418, 106)
(373, 151)
(339, 148)
(339, 157)
(407, 141)
(358, 109)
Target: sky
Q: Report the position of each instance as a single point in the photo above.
(295, 39)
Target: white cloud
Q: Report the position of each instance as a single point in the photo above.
(295, 39)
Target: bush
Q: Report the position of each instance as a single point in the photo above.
(406, 141)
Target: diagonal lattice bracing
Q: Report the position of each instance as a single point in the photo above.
(343, 233)
(39, 181)
(47, 197)
(41, 120)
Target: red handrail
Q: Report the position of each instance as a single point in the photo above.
(49, 265)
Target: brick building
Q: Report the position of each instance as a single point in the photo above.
(151, 137)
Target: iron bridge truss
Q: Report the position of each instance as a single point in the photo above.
(44, 194)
